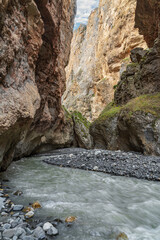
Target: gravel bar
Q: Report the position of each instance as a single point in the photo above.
(118, 163)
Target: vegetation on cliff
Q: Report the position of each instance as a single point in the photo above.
(148, 103)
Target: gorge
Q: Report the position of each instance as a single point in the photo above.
(95, 99)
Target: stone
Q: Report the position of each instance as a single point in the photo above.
(137, 54)
(18, 207)
(9, 233)
(36, 205)
(16, 214)
(15, 238)
(29, 214)
(95, 168)
(70, 219)
(19, 232)
(47, 226)
(52, 231)
(18, 193)
(122, 236)
(28, 238)
(28, 231)
(3, 214)
(39, 233)
(6, 226)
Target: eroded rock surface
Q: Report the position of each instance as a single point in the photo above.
(97, 52)
(147, 19)
(132, 121)
(35, 43)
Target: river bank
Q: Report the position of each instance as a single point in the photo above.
(118, 163)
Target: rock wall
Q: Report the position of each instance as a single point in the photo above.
(132, 121)
(147, 19)
(35, 43)
(97, 52)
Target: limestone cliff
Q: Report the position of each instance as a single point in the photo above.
(35, 43)
(97, 52)
(132, 121)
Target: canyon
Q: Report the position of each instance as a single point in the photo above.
(35, 38)
(99, 54)
(131, 122)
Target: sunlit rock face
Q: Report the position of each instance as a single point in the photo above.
(35, 44)
(97, 53)
(132, 121)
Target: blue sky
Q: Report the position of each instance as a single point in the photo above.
(84, 8)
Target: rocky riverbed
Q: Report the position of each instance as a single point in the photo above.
(18, 222)
(118, 163)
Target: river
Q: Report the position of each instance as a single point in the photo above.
(103, 204)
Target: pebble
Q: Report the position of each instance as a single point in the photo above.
(52, 231)
(15, 238)
(18, 207)
(6, 226)
(20, 231)
(3, 214)
(47, 226)
(29, 214)
(28, 238)
(9, 233)
(39, 233)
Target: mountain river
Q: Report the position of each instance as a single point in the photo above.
(103, 204)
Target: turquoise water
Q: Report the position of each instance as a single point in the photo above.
(104, 205)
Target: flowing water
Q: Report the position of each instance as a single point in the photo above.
(103, 204)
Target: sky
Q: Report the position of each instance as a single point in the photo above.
(84, 8)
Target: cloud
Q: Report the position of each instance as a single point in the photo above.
(84, 9)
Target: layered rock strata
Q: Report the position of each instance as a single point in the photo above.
(97, 52)
(35, 43)
(132, 121)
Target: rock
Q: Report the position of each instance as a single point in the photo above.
(28, 231)
(36, 205)
(15, 238)
(70, 219)
(18, 193)
(137, 54)
(9, 233)
(39, 233)
(6, 226)
(50, 229)
(28, 238)
(95, 168)
(47, 226)
(93, 72)
(29, 214)
(3, 214)
(28, 96)
(131, 121)
(147, 13)
(14, 223)
(16, 214)
(19, 232)
(81, 129)
(28, 209)
(122, 236)
(18, 207)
